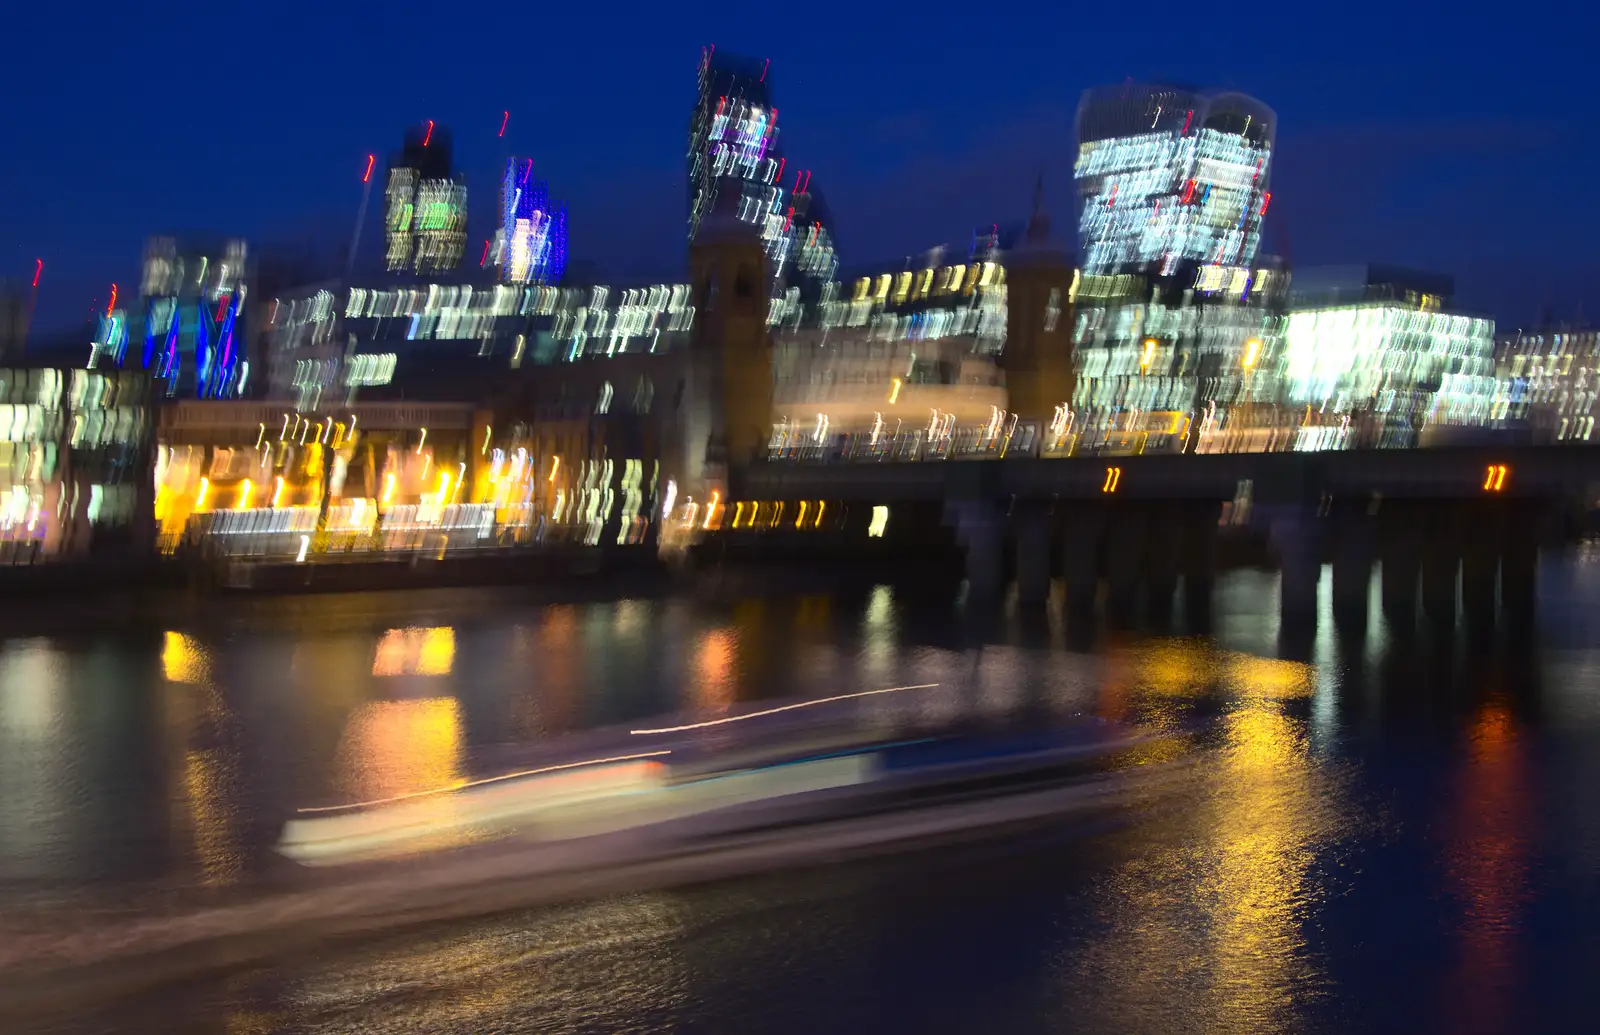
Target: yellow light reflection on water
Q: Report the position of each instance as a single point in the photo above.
(1271, 677)
(183, 660)
(1206, 918)
(414, 651)
(207, 766)
(208, 783)
(1271, 813)
(393, 748)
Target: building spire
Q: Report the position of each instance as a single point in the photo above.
(1038, 222)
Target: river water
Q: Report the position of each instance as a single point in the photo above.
(1389, 833)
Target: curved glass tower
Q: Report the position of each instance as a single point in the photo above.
(1170, 177)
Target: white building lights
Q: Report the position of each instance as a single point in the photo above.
(1170, 177)
(1377, 355)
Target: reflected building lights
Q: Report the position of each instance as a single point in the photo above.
(183, 660)
(393, 748)
(415, 651)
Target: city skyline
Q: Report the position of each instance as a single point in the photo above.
(1386, 165)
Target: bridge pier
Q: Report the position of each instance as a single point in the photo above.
(1441, 560)
(1080, 559)
(1125, 551)
(1354, 537)
(1199, 562)
(1163, 555)
(1482, 540)
(1400, 547)
(980, 529)
(1295, 533)
(1519, 565)
(1031, 522)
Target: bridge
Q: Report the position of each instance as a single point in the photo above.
(1456, 529)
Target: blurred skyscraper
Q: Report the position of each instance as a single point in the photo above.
(1170, 177)
(531, 244)
(193, 294)
(425, 208)
(733, 147)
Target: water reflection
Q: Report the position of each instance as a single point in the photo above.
(611, 966)
(35, 810)
(713, 686)
(183, 660)
(400, 747)
(1207, 914)
(202, 735)
(396, 748)
(178, 756)
(418, 652)
(1489, 827)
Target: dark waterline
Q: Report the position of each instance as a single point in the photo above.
(1397, 834)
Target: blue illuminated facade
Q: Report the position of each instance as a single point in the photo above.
(193, 328)
(532, 246)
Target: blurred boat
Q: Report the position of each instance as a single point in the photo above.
(688, 785)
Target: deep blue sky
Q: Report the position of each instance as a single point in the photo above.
(1458, 137)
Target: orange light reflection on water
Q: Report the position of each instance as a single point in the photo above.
(393, 748)
(421, 652)
(1206, 916)
(713, 670)
(1488, 834)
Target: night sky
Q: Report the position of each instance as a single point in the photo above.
(1459, 138)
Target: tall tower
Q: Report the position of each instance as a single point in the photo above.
(733, 144)
(192, 297)
(425, 208)
(531, 245)
(730, 352)
(1038, 352)
(1170, 177)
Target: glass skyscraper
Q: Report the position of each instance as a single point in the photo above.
(425, 208)
(531, 245)
(1170, 177)
(733, 147)
(192, 298)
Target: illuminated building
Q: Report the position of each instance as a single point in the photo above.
(425, 208)
(1379, 357)
(333, 343)
(814, 258)
(733, 150)
(1180, 364)
(1178, 327)
(912, 360)
(1551, 379)
(74, 471)
(193, 304)
(1170, 177)
(531, 245)
(733, 143)
(110, 344)
(898, 362)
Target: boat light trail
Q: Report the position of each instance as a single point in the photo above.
(784, 708)
(479, 783)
